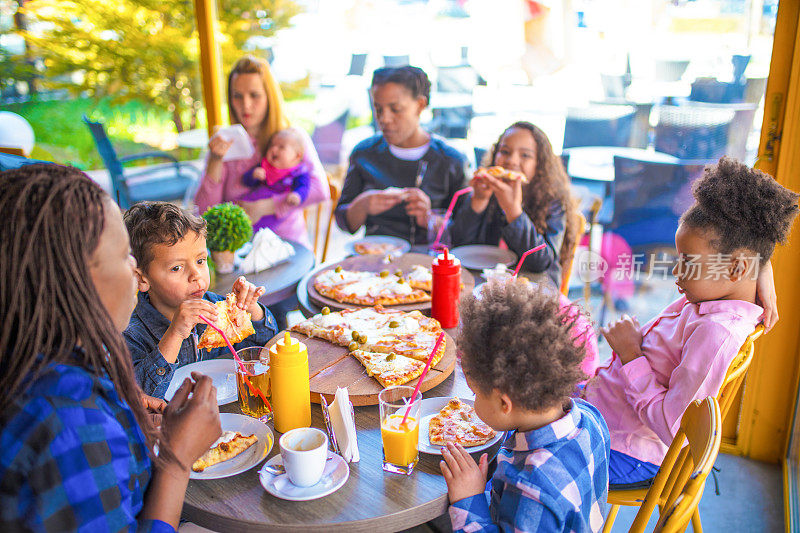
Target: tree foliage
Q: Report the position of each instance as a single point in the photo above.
(144, 49)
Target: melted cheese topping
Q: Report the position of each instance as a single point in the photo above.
(334, 278)
(377, 286)
(420, 273)
(226, 436)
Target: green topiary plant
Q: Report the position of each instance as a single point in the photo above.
(229, 227)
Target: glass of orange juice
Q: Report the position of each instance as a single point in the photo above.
(252, 383)
(400, 440)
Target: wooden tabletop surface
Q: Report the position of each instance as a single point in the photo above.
(371, 500)
(280, 280)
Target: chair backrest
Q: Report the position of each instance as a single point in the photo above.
(395, 61)
(567, 272)
(737, 371)
(461, 79)
(599, 125)
(452, 122)
(693, 131)
(327, 139)
(110, 159)
(678, 486)
(357, 64)
(649, 198)
(319, 212)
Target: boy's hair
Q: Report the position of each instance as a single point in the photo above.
(293, 135)
(516, 339)
(744, 208)
(412, 78)
(151, 223)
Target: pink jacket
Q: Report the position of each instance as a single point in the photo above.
(687, 351)
(292, 225)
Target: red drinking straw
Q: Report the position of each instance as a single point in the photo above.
(526, 254)
(447, 215)
(422, 376)
(253, 390)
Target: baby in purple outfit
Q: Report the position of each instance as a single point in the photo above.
(281, 170)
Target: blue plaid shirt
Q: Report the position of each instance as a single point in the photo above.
(73, 458)
(554, 478)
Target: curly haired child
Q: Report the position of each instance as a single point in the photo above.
(656, 371)
(521, 361)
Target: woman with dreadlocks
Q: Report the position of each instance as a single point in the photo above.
(77, 441)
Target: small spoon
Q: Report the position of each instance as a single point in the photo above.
(279, 469)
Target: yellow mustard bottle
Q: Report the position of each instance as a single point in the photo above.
(289, 383)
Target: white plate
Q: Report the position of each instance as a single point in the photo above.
(404, 246)
(431, 407)
(333, 477)
(248, 458)
(480, 256)
(217, 369)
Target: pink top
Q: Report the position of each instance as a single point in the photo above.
(292, 225)
(687, 351)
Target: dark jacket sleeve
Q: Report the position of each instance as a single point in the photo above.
(521, 235)
(353, 186)
(469, 227)
(147, 360)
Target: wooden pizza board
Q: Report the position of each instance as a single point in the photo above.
(331, 366)
(374, 263)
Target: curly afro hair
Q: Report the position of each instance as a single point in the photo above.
(743, 207)
(516, 339)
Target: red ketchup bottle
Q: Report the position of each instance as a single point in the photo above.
(446, 291)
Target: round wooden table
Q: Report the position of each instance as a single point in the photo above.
(280, 280)
(371, 499)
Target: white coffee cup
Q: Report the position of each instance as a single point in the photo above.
(304, 452)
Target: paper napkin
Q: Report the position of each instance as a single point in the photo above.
(344, 426)
(242, 147)
(268, 250)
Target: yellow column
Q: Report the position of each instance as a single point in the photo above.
(771, 384)
(210, 65)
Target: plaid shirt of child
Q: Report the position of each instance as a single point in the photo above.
(554, 478)
(73, 458)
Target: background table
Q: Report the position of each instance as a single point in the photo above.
(371, 500)
(280, 280)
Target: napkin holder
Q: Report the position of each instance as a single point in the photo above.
(328, 413)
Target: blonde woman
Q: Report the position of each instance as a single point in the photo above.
(255, 101)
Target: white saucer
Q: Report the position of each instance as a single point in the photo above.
(335, 475)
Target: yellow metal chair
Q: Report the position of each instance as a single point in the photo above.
(679, 484)
(319, 211)
(730, 387)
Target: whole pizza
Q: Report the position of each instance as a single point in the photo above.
(392, 345)
(374, 288)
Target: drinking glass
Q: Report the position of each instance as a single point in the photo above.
(400, 441)
(253, 384)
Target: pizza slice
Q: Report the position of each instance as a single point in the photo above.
(228, 446)
(374, 248)
(421, 278)
(500, 172)
(457, 422)
(233, 321)
(389, 368)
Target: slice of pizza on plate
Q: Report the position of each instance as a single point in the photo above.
(233, 321)
(457, 422)
(367, 288)
(228, 446)
(389, 368)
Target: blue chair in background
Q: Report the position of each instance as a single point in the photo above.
(693, 131)
(395, 61)
(599, 125)
(327, 139)
(357, 64)
(173, 181)
(649, 199)
(451, 122)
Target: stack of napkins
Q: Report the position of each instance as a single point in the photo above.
(343, 425)
(268, 250)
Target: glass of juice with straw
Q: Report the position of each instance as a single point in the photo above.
(252, 383)
(400, 439)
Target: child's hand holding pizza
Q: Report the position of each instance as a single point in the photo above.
(188, 316)
(247, 296)
(464, 477)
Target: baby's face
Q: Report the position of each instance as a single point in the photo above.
(284, 152)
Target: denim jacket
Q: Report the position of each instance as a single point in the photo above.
(148, 325)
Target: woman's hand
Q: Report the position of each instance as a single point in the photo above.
(258, 208)
(154, 407)
(508, 194)
(190, 423)
(463, 476)
(247, 296)
(625, 338)
(418, 205)
(766, 296)
(218, 147)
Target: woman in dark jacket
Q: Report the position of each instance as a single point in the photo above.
(396, 177)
